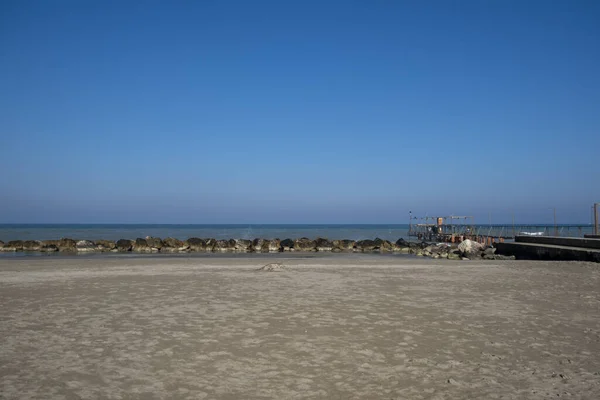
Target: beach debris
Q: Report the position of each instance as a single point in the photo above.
(273, 267)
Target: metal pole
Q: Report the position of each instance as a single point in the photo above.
(596, 229)
(555, 228)
(513, 215)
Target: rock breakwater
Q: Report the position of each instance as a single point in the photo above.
(467, 250)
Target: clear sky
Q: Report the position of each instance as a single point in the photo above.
(298, 111)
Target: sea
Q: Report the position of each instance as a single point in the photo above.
(129, 231)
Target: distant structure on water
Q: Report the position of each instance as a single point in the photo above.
(453, 229)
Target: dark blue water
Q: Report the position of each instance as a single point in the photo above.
(129, 231)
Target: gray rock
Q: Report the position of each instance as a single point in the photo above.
(469, 246)
(304, 244)
(322, 244)
(343, 245)
(67, 245)
(385, 246)
(141, 246)
(196, 244)
(32, 245)
(222, 245)
(366, 245)
(260, 245)
(400, 243)
(124, 245)
(490, 251)
(210, 244)
(49, 248)
(401, 250)
(274, 246)
(243, 245)
(12, 246)
(154, 243)
(172, 243)
(287, 245)
(105, 245)
(474, 255)
(84, 246)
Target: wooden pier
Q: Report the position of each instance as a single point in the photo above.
(458, 228)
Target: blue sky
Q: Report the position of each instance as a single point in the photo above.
(298, 111)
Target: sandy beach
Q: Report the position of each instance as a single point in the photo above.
(326, 327)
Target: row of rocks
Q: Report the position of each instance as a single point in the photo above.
(469, 250)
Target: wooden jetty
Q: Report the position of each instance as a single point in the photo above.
(458, 228)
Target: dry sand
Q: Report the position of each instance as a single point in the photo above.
(333, 327)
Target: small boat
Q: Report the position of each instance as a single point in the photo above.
(531, 233)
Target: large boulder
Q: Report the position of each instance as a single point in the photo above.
(468, 246)
(85, 246)
(260, 245)
(66, 244)
(172, 245)
(105, 245)
(322, 244)
(13, 245)
(195, 244)
(384, 245)
(401, 246)
(304, 244)
(343, 245)
(124, 245)
(454, 255)
(402, 243)
(154, 243)
(243, 245)
(287, 245)
(141, 246)
(32, 245)
(366, 245)
(49, 246)
(223, 245)
(210, 244)
(274, 246)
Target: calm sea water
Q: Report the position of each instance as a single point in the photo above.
(117, 231)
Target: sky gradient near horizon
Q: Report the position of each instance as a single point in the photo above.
(299, 111)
